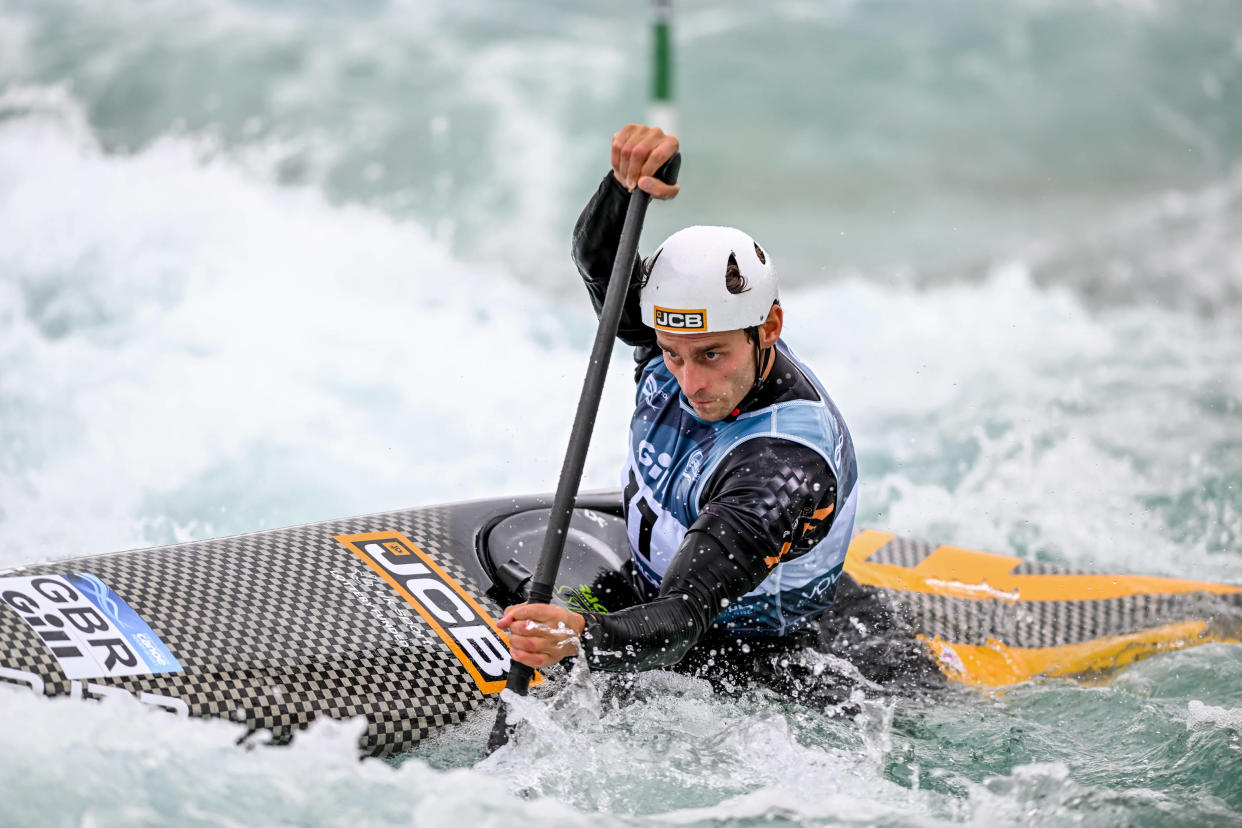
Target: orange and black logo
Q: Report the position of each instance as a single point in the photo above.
(680, 321)
(449, 609)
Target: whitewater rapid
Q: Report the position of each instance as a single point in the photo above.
(261, 266)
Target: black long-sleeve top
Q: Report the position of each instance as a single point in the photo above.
(758, 500)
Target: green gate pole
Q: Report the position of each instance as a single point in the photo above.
(660, 112)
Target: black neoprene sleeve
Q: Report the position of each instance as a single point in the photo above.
(597, 235)
(703, 577)
(761, 497)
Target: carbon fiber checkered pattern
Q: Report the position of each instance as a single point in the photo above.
(1034, 568)
(276, 628)
(906, 552)
(1044, 623)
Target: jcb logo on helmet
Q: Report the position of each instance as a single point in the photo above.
(673, 319)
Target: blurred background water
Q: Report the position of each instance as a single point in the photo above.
(263, 263)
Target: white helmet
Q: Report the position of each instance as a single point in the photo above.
(707, 280)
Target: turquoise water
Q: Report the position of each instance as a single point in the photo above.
(268, 263)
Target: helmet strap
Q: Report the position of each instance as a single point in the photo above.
(763, 357)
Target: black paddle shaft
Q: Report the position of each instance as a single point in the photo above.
(584, 423)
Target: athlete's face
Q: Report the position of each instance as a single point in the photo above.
(714, 370)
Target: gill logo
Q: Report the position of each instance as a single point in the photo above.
(674, 319)
(459, 621)
(656, 465)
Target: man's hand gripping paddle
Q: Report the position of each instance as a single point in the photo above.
(584, 422)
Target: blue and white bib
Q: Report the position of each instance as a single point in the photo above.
(673, 455)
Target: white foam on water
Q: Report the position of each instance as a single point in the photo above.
(1045, 793)
(189, 348)
(1199, 714)
(795, 803)
(663, 747)
(162, 770)
(182, 340)
(1009, 417)
(1176, 249)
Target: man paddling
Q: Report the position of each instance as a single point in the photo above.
(739, 486)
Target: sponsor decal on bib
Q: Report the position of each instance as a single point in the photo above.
(680, 321)
(90, 630)
(444, 604)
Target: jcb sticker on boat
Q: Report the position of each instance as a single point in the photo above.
(449, 609)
